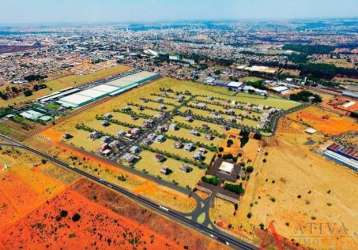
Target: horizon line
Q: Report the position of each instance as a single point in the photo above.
(163, 21)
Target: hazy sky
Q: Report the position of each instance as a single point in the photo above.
(21, 11)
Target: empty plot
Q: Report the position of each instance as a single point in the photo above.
(154, 167)
(169, 146)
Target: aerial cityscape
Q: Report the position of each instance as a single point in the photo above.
(202, 125)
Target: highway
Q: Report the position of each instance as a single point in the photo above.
(215, 234)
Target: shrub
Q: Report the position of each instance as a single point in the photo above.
(237, 189)
(28, 92)
(249, 169)
(213, 180)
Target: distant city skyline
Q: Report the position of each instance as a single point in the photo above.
(41, 11)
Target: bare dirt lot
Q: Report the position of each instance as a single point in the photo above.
(71, 221)
(26, 183)
(326, 122)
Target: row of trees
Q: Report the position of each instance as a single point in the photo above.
(114, 121)
(212, 120)
(155, 101)
(15, 91)
(252, 117)
(202, 165)
(145, 107)
(211, 147)
(306, 96)
(235, 188)
(133, 114)
(201, 130)
(210, 179)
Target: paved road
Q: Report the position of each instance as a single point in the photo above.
(215, 234)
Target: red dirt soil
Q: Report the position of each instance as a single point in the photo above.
(325, 122)
(14, 199)
(171, 230)
(97, 228)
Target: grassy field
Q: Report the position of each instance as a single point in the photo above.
(150, 164)
(81, 140)
(147, 111)
(247, 122)
(169, 147)
(113, 129)
(199, 124)
(66, 82)
(185, 133)
(337, 62)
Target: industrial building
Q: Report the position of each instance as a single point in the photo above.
(35, 116)
(344, 155)
(112, 88)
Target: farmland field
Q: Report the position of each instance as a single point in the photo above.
(67, 82)
(169, 146)
(150, 164)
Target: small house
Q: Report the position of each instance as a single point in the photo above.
(201, 105)
(127, 109)
(178, 145)
(203, 150)
(115, 145)
(209, 137)
(186, 168)
(146, 142)
(189, 118)
(148, 123)
(67, 136)
(105, 123)
(134, 150)
(95, 135)
(108, 116)
(151, 137)
(129, 158)
(134, 131)
(195, 132)
(198, 156)
(181, 98)
(166, 171)
(160, 138)
(107, 152)
(107, 139)
(189, 147)
(159, 99)
(160, 158)
(121, 133)
(162, 129)
(174, 126)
